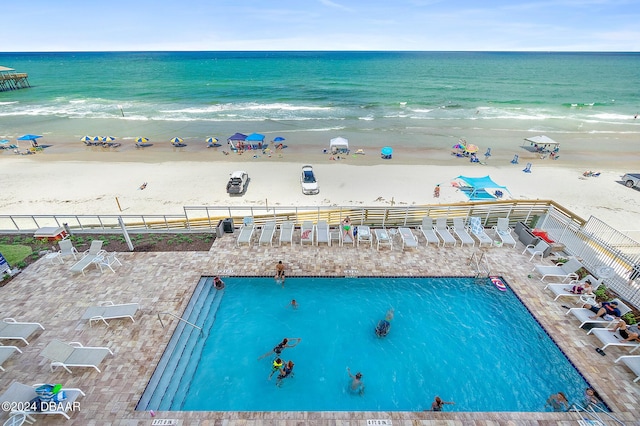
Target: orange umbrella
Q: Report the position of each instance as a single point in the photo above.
(472, 148)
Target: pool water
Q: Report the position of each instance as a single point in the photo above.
(459, 338)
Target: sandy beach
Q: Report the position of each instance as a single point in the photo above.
(65, 179)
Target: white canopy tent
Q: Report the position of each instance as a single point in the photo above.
(339, 145)
(542, 140)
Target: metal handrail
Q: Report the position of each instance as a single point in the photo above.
(181, 319)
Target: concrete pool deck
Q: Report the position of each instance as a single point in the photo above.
(163, 282)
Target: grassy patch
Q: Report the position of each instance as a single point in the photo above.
(15, 253)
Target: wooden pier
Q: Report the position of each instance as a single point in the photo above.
(11, 80)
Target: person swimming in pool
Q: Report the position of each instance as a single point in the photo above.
(282, 345)
(286, 371)
(384, 326)
(275, 366)
(356, 385)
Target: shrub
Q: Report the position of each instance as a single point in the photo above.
(629, 318)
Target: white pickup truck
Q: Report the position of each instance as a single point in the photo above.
(631, 179)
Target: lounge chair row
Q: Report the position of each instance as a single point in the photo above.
(95, 255)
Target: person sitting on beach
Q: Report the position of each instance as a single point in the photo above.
(282, 345)
(356, 385)
(143, 186)
(218, 283)
(625, 332)
(605, 308)
(585, 288)
(438, 404)
(558, 401)
(436, 191)
(286, 371)
(347, 229)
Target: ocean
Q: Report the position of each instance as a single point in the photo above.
(404, 99)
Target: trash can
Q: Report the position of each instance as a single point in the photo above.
(227, 225)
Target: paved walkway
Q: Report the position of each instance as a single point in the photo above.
(51, 294)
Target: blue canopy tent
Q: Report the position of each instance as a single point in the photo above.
(254, 141)
(236, 141)
(476, 188)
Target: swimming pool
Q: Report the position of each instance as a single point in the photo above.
(459, 338)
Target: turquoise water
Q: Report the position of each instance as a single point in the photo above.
(460, 339)
(418, 98)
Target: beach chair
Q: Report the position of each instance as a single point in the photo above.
(6, 352)
(560, 289)
(306, 233)
(539, 248)
(246, 233)
(475, 225)
(335, 235)
(67, 249)
(515, 159)
(267, 233)
(95, 248)
(346, 237)
(609, 338)
(527, 169)
(461, 231)
(10, 329)
(82, 264)
(364, 235)
(20, 394)
(503, 231)
(633, 362)
(442, 230)
(383, 238)
(107, 311)
(106, 261)
(322, 233)
(73, 354)
(428, 231)
(286, 233)
(584, 315)
(565, 270)
(408, 239)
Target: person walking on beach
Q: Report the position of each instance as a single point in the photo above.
(280, 273)
(436, 191)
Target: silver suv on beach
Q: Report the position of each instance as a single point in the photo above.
(237, 182)
(308, 181)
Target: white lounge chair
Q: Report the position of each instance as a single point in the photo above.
(442, 230)
(383, 238)
(67, 249)
(10, 329)
(564, 271)
(246, 233)
(609, 338)
(107, 310)
(462, 232)
(560, 289)
(286, 233)
(306, 233)
(633, 362)
(322, 233)
(95, 248)
(503, 231)
(73, 354)
(408, 239)
(537, 249)
(364, 235)
(428, 231)
(83, 263)
(106, 261)
(475, 224)
(6, 352)
(268, 231)
(584, 315)
(20, 393)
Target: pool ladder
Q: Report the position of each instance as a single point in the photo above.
(181, 319)
(482, 267)
(594, 415)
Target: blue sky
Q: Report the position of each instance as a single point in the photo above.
(546, 25)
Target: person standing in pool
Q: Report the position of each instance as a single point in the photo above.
(558, 401)
(356, 385)
(286, 371)
(275, 366)
(438, 404)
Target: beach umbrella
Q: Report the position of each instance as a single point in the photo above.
(212, 140)
(86, 139)
(176, 140)
(459, 146)
(108, 139)
(278, 139)
(97, 138)
(29, 137)
(387, 150)
(4, 141)
(472, 148)
(142, 140)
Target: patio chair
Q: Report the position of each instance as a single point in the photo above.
(609, 338)
(95, 248)
(408, 239)
(503, 231)
(73, 354)
(364, 235)
(347, 237)
(67, 249)
(442, 230)
(560, 290)
(383, 238)
(246, 233)
(107, 311)
(462, 232)
(21, 393)
(106, 261)
(322, 233)
(428, 231)
(6, 352)
(82, 264)
(267, 233)
(475, 225)
(565, 270)
(584, 315)
(633, 362)
(306, 233)
(286, 233)
(10, 329)
(537, 249)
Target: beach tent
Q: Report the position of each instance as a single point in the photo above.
(476, 188)
(254, 140)
(339, 145)
(543, 142)
(236, 141)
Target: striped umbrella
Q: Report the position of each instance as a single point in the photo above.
(212, 140)
(86, 139)
(108, 139)
(176, 140)
(142, 140)
(97, 138)
(471, 148)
